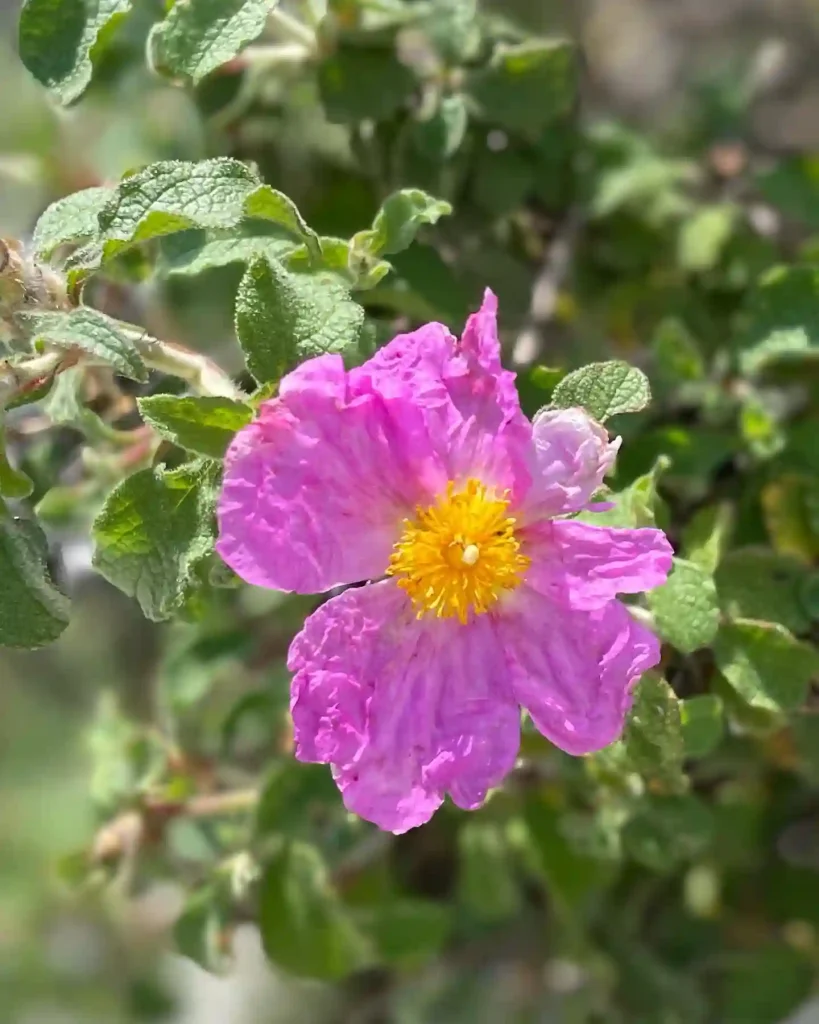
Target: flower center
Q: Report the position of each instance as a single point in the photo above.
(460, 554)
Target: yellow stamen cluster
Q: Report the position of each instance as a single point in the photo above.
(460, 554)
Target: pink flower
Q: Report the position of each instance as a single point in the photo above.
(418, 470)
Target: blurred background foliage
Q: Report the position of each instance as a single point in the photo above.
(637, 180)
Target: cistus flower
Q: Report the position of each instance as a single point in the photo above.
(419, 473)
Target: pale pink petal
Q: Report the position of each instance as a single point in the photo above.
(572, 455)
(404, 710)
(586, 566)
(316, 488)
(574, 671)
(469, 403)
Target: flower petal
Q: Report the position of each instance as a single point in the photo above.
(316, 488)
(572, 455)
(573, 670)
(469, 403)
(404, 710)
(586, 566)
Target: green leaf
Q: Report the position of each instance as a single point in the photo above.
(267, 204)
(702, 724)
(653, 735)
(359, 83)
(570, 878)
(397, 222)
(194, 252)
(57, 39)
(757, 583)
(766, 666)
(604, 389)
(354, 268)
(13, 482)
(792, 185)
(765, 986)
(790, 506)
(782, 318)
(94, 333)
(293, 797)
(502, 180)
(676, 352)
(454, 29)
(526, 86)
(72, 219)
(407, 932)
(175, 195)
(284, 318)
(639, 504)
(198, 36)
(200, 932)
(154, 530)
(305, 930)
(627, 174)
(65, 406)
(705, 536)
(440, 135)
(704, 236)
(203, 425)
(127, 759)
(805, 729)
(33, 612)
(487, 886)
(685, 609)
(667, 831)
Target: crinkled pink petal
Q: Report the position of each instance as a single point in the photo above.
(572, 454)
(404, 710)
(587, 566)
(468, 401)
(316, 488)
(574, 670)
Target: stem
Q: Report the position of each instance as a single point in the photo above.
(271, 55)
(214, 805)
(291, 28)
(203, 375)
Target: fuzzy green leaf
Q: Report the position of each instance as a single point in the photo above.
(72, 219)
(706, 535)
(440, 135)
(267, 204)
(702, 724)
(198, 36)
(686, 611)
(765, 664)
(359, 83)
(653, 735)
(304, 928)
(204, 425)
(175, 195)
(33, 611)
(199, 931)
(782, 323)
(667, 831)
(283, 318)
(194, 252)
(757, 583)
(526, 85)
(154, 530)
(604, 389)
(93, 332)
(57, 39)
(397, 222)
(13, 482)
